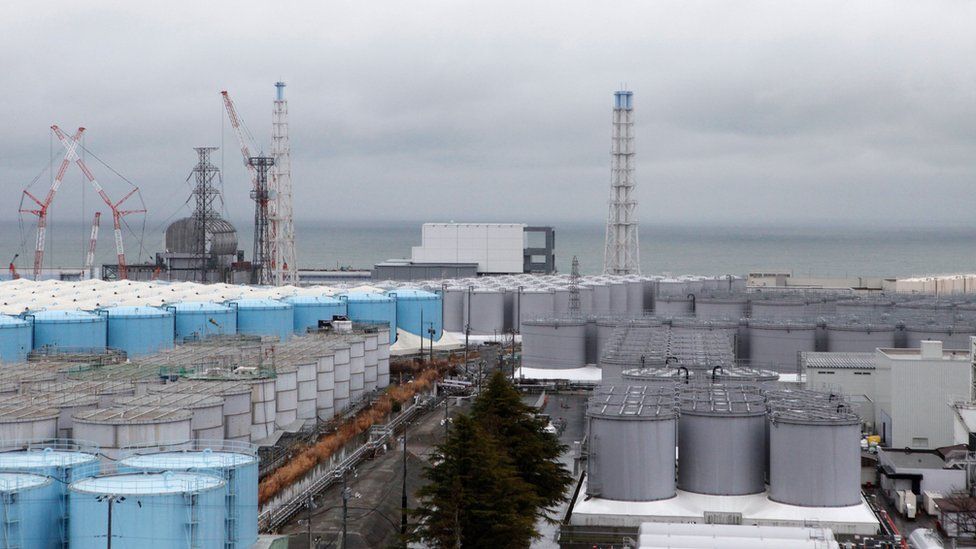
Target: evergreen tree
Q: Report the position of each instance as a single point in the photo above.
(499, 410)
(475, 495)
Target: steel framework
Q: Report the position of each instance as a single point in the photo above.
(262, 273)
(622, 254)
(204, 213)
(283, 261)
(92, 241)
(71, 146)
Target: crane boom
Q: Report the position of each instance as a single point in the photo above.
(90, 258)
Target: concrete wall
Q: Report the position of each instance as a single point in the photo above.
(495, 247)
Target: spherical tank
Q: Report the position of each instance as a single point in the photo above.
(202, 319)
(15, 339)
(815, 457)
(265, 317)
(69, 330)
(414, 305)
(721, 443)
(311, 309)
(140, 330)
(373, 308)
(159, 511)
(554, 344)
(631, 446)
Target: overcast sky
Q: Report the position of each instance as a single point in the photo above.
(500, 111)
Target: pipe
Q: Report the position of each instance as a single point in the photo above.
(692, 298)
(686, 373)
(714, 370)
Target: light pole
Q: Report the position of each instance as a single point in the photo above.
(111, 499)
(403, 498)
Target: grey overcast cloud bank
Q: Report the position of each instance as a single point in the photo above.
(747, 112)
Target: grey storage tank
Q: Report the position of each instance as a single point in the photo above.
(674, 305)
(631, 445)
(532, 304)
(554, 344)
(780, 308)
(851, 335)
(777, 344)
(815, 456)
(731, 307)
(454, 297)
(721, 441)
(952, 336)
(484, 310)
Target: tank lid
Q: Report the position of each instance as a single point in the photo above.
(73, 315)
(136, 311)
(134, 415)
(312, 300)
(657, 374)
(188, 460)
(188, 401)
(366, 296)
(722, 401)
(10, 482)
(816, 415)
(11, 322)
(409, 293)
(43, 458)
(633, 403)
(260, 303)
(148, 484)
(191, 386)
(200, 306)
(767, 324)
(855, 324)
(23, 414)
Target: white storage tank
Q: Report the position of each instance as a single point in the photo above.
(286, 395)
(325, 386)
(721, 441)
(149, 511)
(554, 344)
(307, 387)
(28, 422)
(631, 444)
(208, 410)
(67, 404)
(342, 377)
(815, 457)
(114, 428)
(237, 402)
(371, 355)
(357, 368)
(264, 407)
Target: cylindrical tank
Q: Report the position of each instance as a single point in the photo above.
(484, 311)
(237, 402)
(863, 308)
(202, 319)
(674, 305)
(777, 345)
(412, 305)
(28, 422)
(357, 369)
(618, 297)
(631, 445)
(560, 301)
(310, 309)
(454, 297)
(307, 387)
(533, 304)
(208, 410)
(67, 404)
(669, 377)
(780, 308)
(923, 309)
(952, 336)
(264, 407)
(69, 330)
(265, 317)
(237, 464)
(15, 339)
(342, 376)
(721, 307)
(635, 297)
(140, 330)
(374, 308)
(31, 510)
(815, 457)
(372, 361)
(854, 336)
(113, 428)
(325, 387)
(721, 441)
(604, 329)
(601, 298)
(554, 344)
(734, 375)
(286, 395)
(159, 511)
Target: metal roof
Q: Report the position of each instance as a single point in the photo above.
(148, 484)
(837, 361)
(188, 401)
(14, 413)
(134, 415)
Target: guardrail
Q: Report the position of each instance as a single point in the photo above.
(280, 509)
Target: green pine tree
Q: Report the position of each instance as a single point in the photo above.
(500, 411)
(475, 495)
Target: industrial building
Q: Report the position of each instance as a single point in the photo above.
(459, 250)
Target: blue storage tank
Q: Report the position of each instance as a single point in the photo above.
(239, 469)
(265, 317)
(310, 309)
(367, 307)
(160, 511)
(140, 330)
(71, 329)
(30, 511)
(15, 339)
(410, 304)
(64, 466)
(202, 319)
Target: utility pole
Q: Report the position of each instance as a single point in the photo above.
(110, 499)
(309, 525)
(421, 333)
(431, 332)
(403, 498)
(447, 419)
(345, 510)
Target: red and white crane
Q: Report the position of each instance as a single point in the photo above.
(71, 145)
(90, 258)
